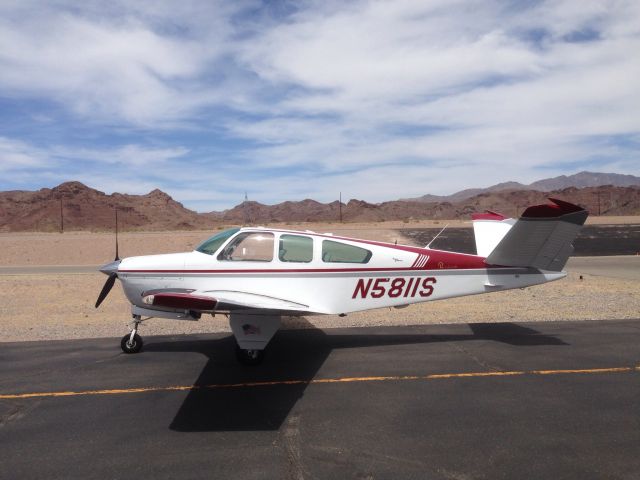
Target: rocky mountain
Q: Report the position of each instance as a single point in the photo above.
(585, 179)
(578, 180)
(604, 200)
(79, 207)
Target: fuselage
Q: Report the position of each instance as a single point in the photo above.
(320, 273)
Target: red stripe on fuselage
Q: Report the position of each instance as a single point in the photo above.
(183, 300)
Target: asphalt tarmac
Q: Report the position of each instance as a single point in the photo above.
(481, 401)
(625, 266)
(48, 269)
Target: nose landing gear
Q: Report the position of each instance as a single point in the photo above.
(132, 342)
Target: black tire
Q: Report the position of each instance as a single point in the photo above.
(249, 357)
(134, 347)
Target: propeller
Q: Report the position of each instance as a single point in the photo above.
(108, 285)
(110, 269)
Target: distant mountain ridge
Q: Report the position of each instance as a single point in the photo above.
(74, 206)
(579, 180)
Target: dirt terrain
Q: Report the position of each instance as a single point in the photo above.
(38, 307)
(87, 248)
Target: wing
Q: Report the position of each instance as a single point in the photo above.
(222, 301)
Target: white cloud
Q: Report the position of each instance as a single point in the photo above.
(18, 155)
(468, 83)
(131, 155)
(381, 99)
(113, 62)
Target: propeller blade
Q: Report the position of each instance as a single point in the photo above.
(108, 285)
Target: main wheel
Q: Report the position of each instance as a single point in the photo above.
(131, 347)
(249, 357)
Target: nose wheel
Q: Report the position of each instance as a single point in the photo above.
(132, 342)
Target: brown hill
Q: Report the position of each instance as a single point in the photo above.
(606, 200)
(84, 208)
(79, 207)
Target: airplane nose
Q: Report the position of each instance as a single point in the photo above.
(110, 268)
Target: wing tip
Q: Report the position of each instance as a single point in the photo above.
(557, 208)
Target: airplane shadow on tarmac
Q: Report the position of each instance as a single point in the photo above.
(292, 355)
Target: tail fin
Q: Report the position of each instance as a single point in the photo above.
(541, 238)
(489, 228)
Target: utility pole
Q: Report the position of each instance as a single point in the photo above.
(340, 207)
(244, 207)
(598, 193)
(61, 217)
(117, 253)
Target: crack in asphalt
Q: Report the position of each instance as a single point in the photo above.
(476, 359)
(291, 437)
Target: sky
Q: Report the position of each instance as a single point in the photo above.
(377, 100)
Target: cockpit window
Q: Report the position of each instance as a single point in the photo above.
(337, 252)
(211, 245)
(249, 247)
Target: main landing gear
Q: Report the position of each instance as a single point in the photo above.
(132, 342)
(252, 333)
(249, 356)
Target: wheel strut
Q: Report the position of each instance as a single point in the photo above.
(132, 342)
(137, 320)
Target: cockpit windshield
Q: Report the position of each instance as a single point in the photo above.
(211, 245)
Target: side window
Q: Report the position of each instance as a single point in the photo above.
(249, 247)
(295, 248)
(336, 252)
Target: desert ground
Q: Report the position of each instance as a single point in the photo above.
(60, 306)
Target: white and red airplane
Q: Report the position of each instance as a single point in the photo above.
(257, 275)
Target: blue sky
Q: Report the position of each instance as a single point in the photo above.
(291, 100)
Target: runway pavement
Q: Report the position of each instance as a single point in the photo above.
(48, 269)
(478, 401)
(625, 266)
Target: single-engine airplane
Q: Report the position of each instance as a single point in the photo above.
(257, 275)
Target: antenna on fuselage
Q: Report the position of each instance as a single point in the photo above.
(434, 238)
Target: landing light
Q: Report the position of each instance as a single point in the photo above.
(148, 299)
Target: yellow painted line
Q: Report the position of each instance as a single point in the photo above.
(473, 374)
(592, 370)
(365, 379)
(438, 376)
